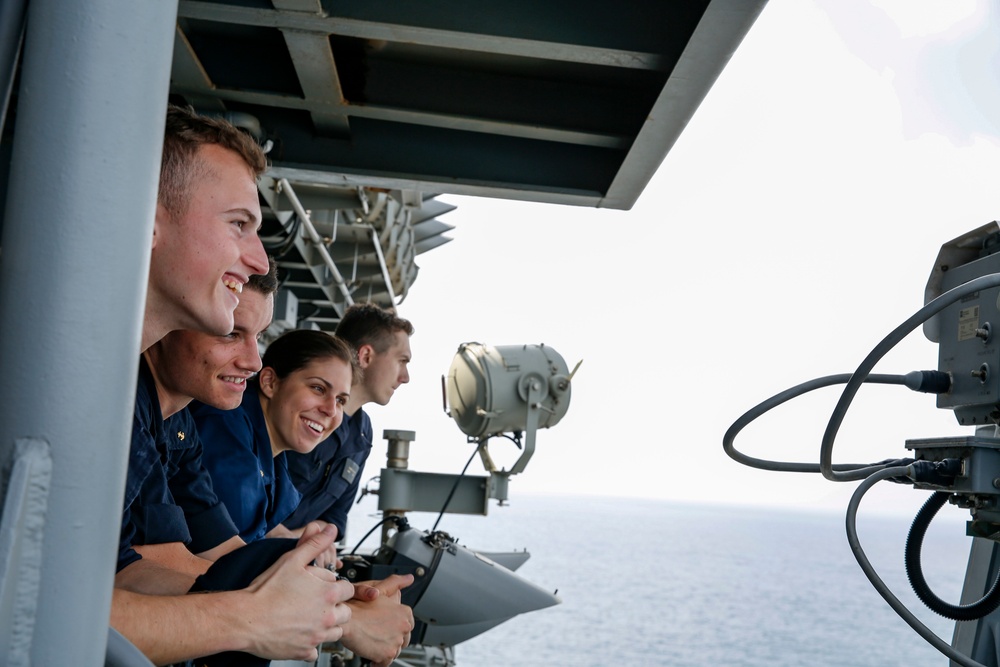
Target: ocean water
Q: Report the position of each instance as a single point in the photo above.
(646, 582)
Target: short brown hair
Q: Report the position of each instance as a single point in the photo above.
(186, 132)
(371, 324)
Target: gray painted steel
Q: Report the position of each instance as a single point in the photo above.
(564, 101)
(76, 239)
(21, 542)
(978, 639)
(413, 491)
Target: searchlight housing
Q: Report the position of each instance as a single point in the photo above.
(507, 389)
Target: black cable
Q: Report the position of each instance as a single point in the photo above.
(373, 529)
(932, 308)
(454, 487)
(302, 318)
(963, 612)
(787, 395)
(281, 248)
(883, 590)
(516, 438)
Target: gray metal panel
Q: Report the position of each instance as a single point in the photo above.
(563, 102)
(719, 32)
(432, 209)
(403, 490)
(511, 560)
(430, 228)
(90, 116)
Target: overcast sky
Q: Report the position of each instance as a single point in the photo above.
(792, 226)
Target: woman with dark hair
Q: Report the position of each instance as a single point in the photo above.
(294, 403)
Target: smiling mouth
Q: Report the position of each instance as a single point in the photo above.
(235, 286)
(313, 426)
(234, 379)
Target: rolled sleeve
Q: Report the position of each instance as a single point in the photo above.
(210, 528)
(126, 554)
(163, 523)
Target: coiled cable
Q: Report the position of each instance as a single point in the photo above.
(876, 581)
(914, 572)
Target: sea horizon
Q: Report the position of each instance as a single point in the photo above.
(662, 582)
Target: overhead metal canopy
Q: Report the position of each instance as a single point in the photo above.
(374, 107)
(562, 101)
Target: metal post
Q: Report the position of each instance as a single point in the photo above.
(398, 458)
(978, 639)
(314, 238)
(73, 269)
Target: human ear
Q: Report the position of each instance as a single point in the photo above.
(158, 220)
(267, 379)
(365, 355)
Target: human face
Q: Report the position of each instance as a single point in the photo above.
(303, 408)
(204, 255)
(385, 371)
(215, 369)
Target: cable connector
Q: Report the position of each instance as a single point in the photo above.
(938, 473)
(400, 521)
(929, 382)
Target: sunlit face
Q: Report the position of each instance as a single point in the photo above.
(215, 369)
(203, 256)
(384, 372)
(303, 408)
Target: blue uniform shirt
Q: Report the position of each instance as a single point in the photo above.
(177, 502)
(251, 482)
(328, 476)
(168, 490)
(147, 426)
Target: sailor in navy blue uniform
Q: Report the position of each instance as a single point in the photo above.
(329, 476)
(252, 482)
